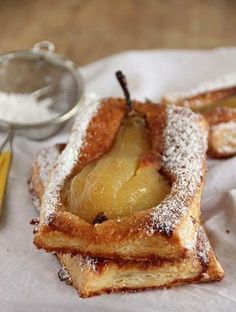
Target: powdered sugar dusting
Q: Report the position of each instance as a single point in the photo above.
(227, 132)
(183, 157)
(36, 202)
(69, 156)
(46, 160)
(64, 275)
(203, 247)
(88, 263)
(192, 244)
(223, 82)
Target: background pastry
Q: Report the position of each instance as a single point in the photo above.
(216, 101)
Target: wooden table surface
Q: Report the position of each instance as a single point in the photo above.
(85, 30)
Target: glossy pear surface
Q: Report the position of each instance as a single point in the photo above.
(116, 184)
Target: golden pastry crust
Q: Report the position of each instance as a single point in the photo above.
(222, 120)
(165, 231)
(94, 276)
(200, 100)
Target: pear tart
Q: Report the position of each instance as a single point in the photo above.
(93, 276)
(216, 101)
(153, 155)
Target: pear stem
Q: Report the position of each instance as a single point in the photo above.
(123, 83)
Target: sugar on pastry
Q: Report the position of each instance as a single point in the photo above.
(121, 204)
(216, 101)
(93, 276)
(173, 164)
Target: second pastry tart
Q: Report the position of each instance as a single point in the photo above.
(216, 101)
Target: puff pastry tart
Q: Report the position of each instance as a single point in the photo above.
(127, 185)
(216, 101)
(93, 276)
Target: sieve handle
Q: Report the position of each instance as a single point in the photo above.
(5, 162)
(45, 46)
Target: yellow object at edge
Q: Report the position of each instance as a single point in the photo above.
(5, 160)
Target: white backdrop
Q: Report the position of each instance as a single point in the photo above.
(28, 277)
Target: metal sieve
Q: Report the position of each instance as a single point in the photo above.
(47, 75)
(46, 72)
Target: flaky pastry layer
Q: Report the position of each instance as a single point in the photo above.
(164, 231)
(93, 276)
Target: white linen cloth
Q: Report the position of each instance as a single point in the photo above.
(28, 277)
